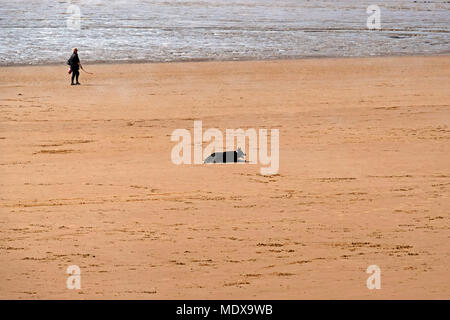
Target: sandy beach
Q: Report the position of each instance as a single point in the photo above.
(364, 179)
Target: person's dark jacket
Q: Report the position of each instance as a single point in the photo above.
(73, 62)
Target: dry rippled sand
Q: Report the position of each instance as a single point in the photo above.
(86, 179)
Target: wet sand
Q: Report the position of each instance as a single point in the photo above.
(87, 180)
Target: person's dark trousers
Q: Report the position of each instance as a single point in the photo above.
(75, 75)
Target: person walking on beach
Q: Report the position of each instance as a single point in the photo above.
(75, 65)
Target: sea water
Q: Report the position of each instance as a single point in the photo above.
(44, 31)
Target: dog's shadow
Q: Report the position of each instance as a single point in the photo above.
(228, 162)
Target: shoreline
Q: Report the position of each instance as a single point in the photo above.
(250, 59)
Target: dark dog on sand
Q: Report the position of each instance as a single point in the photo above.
(224, 157)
